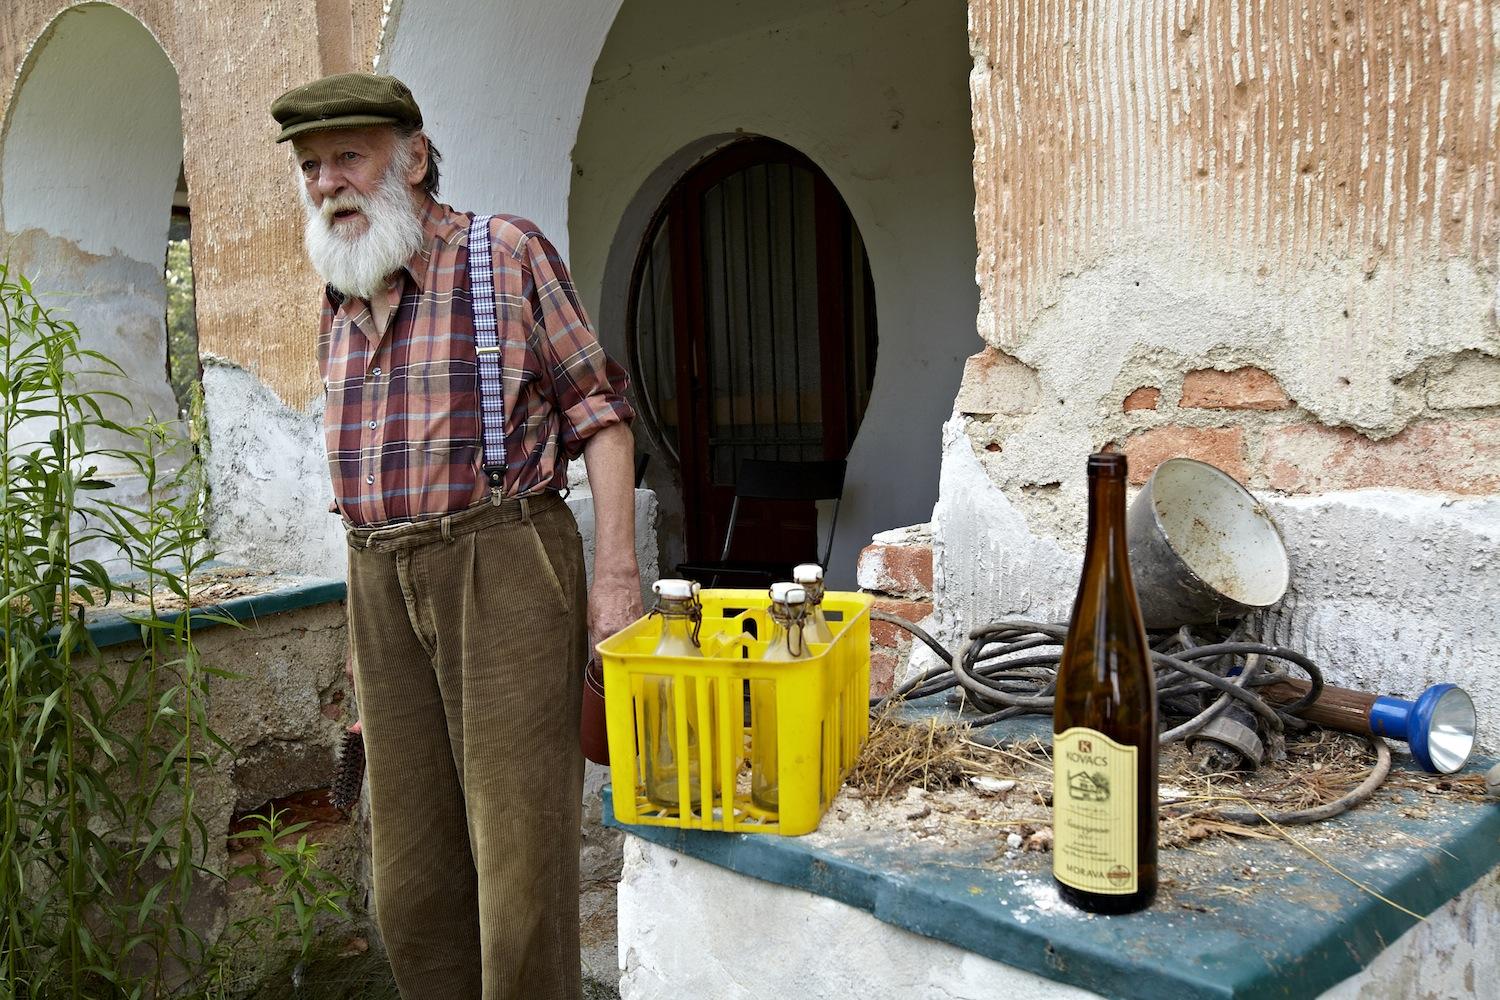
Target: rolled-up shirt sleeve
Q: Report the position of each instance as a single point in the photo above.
(590, 387)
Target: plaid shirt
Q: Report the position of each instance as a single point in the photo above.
(402, 415)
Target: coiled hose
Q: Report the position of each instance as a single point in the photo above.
(1009, 668)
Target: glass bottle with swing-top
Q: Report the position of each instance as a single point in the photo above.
(788, 642)
(664, 759)
(810, 577)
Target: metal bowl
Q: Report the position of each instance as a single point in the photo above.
(1202, 548)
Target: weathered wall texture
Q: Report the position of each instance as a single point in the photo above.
(270, 478)
(99, 264)
(256, 296)
(676, 910)
(1304, 189)
(1286, 132)
(1263, 234)
(104, 72)
(283, 719)
(99, 103)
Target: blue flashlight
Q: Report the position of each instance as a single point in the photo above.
(1438, 726)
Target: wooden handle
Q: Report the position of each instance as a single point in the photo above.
(1337, 708)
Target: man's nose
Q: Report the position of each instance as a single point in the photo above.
(330, 181)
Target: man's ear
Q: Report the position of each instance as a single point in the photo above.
(418, 170)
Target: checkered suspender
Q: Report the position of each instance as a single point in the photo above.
(487, 348)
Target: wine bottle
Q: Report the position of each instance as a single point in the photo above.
(1104, 739)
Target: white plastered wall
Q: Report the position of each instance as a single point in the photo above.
(89, 159)
(876, 94)
(683, 925)
(502, 85)
(94, 139)
(268, 473)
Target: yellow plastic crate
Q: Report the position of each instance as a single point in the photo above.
(822, 714)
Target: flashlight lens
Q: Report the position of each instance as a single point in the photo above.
(1450, 738)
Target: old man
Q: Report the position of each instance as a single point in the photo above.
(461, 376)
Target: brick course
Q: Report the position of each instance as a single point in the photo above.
(1242, 389)
(1457, 456)
(900, 569)
(1147, 397)
(899, 575)
(886, 634)
(994, 382)
(1220, 446)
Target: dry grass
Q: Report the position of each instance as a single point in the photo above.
(898, 755)
(1463, 787)
(209, 587)
(1321, 766)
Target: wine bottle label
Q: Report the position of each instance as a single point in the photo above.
(1094, 812)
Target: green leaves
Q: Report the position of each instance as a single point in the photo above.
(102, 840)
(296, 890)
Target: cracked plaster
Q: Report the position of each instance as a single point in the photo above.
(1383, 594)
(683, 921)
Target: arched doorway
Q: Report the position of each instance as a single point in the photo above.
(752, 334)
(92, 180)
(91, 192)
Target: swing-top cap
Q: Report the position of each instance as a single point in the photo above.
(675, 590)
(808, 573)
(788, 593)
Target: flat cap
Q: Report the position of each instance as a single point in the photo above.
(345, 100)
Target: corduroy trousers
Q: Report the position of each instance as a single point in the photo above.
(469, 635)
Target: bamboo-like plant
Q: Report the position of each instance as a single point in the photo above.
(51, 857)
(101, 841)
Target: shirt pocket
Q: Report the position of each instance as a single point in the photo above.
(453, 384)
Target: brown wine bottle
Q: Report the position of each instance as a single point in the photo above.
(1104, 723)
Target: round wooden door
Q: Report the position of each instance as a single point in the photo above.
(753, 336)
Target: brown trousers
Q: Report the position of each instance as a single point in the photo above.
(469, 636)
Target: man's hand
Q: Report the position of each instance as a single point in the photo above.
(615, 597)
(613, 604)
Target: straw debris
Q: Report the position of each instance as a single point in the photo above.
(209, 587)
(937, 781)
(932, 756)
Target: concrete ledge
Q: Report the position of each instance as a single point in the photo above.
(689, 928)
(1242, 919)
(116, 628)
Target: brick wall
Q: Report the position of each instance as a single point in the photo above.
(897, 569)
(1243, 421)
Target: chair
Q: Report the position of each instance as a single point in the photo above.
(764, 480)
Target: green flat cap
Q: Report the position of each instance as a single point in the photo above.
(346, 100)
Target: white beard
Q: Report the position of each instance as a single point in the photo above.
(357, 266)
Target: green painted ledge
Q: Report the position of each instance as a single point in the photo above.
(1301, 930)
(115, 629)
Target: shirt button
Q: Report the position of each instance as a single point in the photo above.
(372, 425)
(374, 371)
(370, 480)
